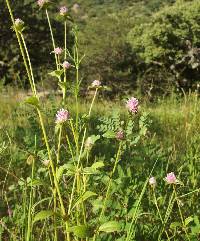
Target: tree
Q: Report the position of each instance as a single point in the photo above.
(170, 44)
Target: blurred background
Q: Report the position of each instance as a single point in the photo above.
(151, 47)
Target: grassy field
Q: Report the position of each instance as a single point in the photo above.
(89, 169)
(168, 140)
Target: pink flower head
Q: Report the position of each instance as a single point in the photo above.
(62, 116)
(41, 3)
(63, 10)
(66, 65)
(132, 105)
(171, 178)
(96, 83)
(120, 135)
(19, 22)
(152, 181)
(58, 51)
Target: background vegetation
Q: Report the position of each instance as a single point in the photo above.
(149, 46)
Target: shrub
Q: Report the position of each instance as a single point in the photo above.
(169, 44)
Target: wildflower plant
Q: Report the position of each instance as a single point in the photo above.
(74, 180)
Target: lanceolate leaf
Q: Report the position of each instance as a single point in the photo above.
(84, 197)
(43, 215)
(111, 226)
(33, 101)
(56, 73)
(109, 134)
(81, 231)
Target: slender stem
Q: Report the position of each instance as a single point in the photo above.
(53, 170)
(167, 214)
(156, 204)
(51, 162)
(59, 145)
(70, 147)
(135, 216)
(94, 97)
(181, 215)
(65, 39)
(20, 45)
(110, 181)
(30, 65)
(72, 194)
(74, 134)
(30, 203)
(52, 37)
(109, 185)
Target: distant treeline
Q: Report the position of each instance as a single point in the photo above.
(150, 46)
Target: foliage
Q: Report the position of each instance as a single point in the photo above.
(169, 44)
(109, 21)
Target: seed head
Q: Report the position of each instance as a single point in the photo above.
(171, 178)
(132, 105)
(62, 116)
(63, 10)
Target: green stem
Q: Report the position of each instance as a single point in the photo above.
(52, 37)
(30, 204)
(65, 39)
(110, 181)
(181, 215)
(53, 170)
(156, 204)
(30, 65)
(167, 214)
(20, 45)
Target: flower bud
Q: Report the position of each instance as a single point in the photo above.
(120, 135)
(66, 65)
(63, 11)
(152, 181)
(96, 83)
(19, 24)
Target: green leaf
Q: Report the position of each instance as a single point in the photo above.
(81, 231)
(93, 168)
(175, 225)
(57, 73)
(84, 197)
(109, 227)
(62, 85)
(33, 101)
(97, 165)
(109, 134)
(36, 182)
(188, 220)
(60, 171)
(43, 215)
